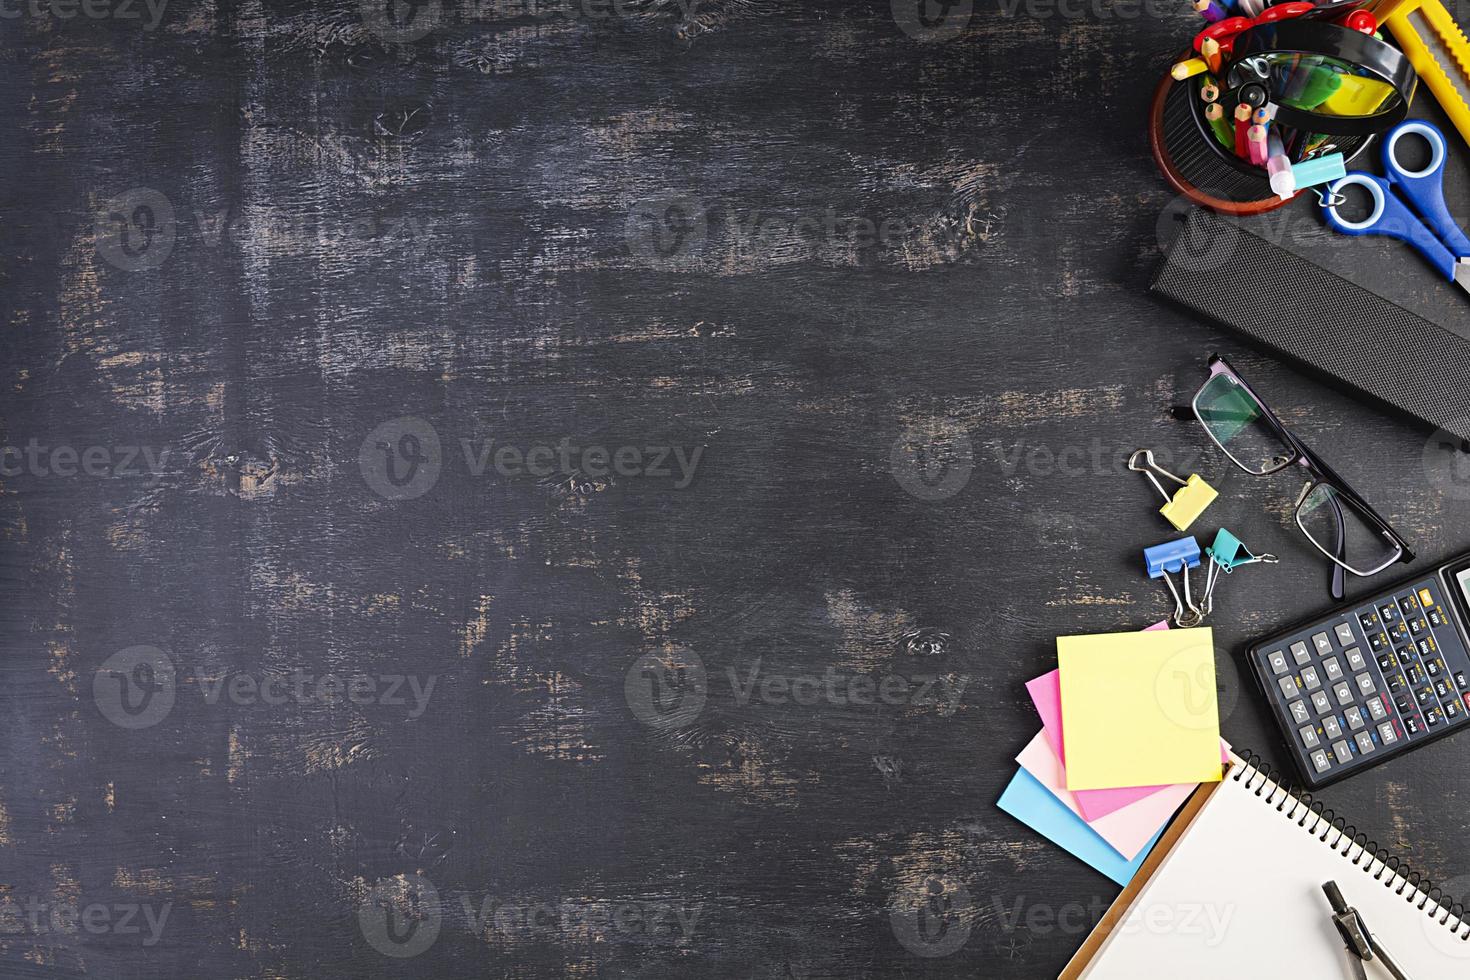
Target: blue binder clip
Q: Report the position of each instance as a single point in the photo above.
(1226, 555)
(1180, 556)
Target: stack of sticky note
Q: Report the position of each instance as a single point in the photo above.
(1130, 727)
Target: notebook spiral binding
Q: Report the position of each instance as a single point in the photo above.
(1419, 888)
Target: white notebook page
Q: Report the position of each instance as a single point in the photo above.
(1241, 896)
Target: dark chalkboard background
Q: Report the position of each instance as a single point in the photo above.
(301, 307)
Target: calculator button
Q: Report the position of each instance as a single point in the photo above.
(1320, 702)
(1355, 659)
(1426, 646)
(1426, 598)
(1310, 679)
(1414, 674)
(1354, 716)
(1369, 621)
(1405, 655)
(1411, 725)
(1333, 669)
(1319, 761)
(1389, 611)
(1387, 663)
(1344, 634)
(1405, 703)
(1309, 737)
(1331, 727)
(1425, 696)
(1409, 605)
(1342, 692)
(1343, 753)
(1323, 644)
(1452, 709)
(1398, 632)
(1396, 682)
(1376, 710)
(1365, 743)
(1432, 717)
(1417, 625)
(1365, 684)
(1277, 660)
(1300, 654)
(1378, 641)
(1299, 712)
(1288, 687)
(1462, 681)
(1437, 619)
(1443, 690)
(1434, 667)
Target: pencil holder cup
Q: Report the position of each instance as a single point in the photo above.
(1330, 89)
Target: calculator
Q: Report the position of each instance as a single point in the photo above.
(1373, 678)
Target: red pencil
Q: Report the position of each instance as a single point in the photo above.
(1242, 127)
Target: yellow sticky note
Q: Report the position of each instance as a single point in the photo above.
(1138, 709)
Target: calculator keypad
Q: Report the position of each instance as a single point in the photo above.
(1379, 676)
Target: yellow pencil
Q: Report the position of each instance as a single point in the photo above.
(1188, 67)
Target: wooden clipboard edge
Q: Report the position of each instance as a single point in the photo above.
(1124, 902)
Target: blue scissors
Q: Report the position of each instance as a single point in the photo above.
(1432, 231)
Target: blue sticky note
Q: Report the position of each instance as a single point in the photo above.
(1033, 804)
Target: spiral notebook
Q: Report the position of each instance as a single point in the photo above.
(1234, 889)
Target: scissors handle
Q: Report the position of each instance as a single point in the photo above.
(1425, 188)
(1389, 218)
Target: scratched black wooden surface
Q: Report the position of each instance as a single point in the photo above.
(798, 238)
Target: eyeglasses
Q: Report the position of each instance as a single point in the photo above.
(1334, 518)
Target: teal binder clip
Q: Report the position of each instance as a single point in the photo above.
(1226, 555)
(1163, 560)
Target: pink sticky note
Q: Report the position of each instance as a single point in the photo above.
(1046, 695)
(1127, 829)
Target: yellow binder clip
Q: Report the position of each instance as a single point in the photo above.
(1183, 505)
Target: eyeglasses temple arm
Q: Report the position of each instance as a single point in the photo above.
(1338, 585)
